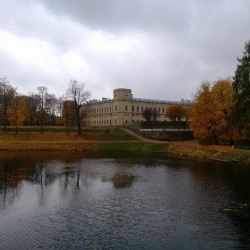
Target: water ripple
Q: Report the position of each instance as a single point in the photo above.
(166, 207)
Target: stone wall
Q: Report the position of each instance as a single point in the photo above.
(168, 135)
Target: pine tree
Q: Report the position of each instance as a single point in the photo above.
(241, 86)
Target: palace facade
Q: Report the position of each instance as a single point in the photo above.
(123, 109)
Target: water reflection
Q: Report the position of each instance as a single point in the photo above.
(52, 200)
(123, 180)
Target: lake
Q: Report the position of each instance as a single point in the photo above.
(85, 201)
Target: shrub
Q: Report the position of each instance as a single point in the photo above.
(206, 141)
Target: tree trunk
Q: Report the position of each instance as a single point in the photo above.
(67, 121)
(16, 126)
(78, 118)
(41, 121)
(215, 139)
(5, 115)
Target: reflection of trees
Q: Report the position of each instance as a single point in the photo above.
(14, 171)
(70, 173)
(122, 180)
(78, 178)
(238, 210)
(236, 200)
(10, 178)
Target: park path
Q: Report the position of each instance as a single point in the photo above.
(189, 142)
(192, 143)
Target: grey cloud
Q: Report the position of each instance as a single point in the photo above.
(31, 20)
(119, 15)
(178, 44)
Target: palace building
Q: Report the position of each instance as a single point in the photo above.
(123, 109)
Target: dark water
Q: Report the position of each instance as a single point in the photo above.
(75, 201)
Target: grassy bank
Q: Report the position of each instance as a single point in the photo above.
(117, 140)
(216, 153)
(73, 142)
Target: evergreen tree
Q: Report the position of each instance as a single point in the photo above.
(241, 86)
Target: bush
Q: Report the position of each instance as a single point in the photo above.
(165, 124)
(206, 141)
(242, 144)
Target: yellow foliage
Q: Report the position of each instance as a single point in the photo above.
(175, 112)
(212, 108)
(17, 113)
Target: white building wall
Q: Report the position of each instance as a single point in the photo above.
(122, 109)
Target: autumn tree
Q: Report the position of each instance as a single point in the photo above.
(223, 95)
(69, 114)
(79, 95)
(241, 85)
(187, 113)
(212, 109)
(7, 95)
(17, 112)
(175, 112)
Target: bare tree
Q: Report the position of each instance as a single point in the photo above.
(50, 106)
(148, 114)
(69, 114)
(79, 95)
(155, 114)
(7, 95)
(60, 101)
(33, 109)
(42, 91)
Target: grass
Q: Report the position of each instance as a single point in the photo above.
(56, 138)
(97, 140)
(60, 133)
(36, 129)
(92, 139)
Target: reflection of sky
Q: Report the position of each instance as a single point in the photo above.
(170, 202)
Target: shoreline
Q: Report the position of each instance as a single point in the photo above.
(192, 151)
(118, 140)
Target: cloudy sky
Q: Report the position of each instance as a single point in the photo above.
(161, 49)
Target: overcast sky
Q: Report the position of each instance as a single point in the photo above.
(161, 49)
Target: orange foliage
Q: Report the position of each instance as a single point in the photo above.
(17, 113)
(212, 109)
(175, 112)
